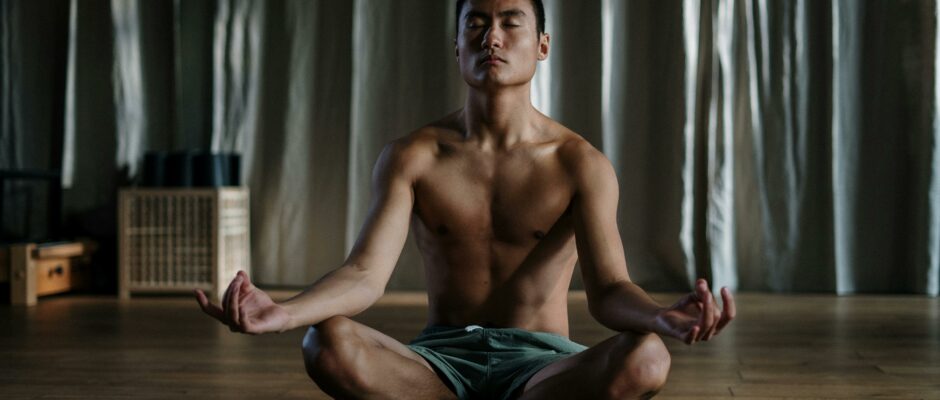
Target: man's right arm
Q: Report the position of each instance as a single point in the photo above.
(354, 286)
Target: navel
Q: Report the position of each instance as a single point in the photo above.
(538, 234)
(442, 230)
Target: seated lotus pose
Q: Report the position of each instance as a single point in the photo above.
(502, 201)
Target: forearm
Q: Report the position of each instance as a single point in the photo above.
(624, 306)
(345, 291)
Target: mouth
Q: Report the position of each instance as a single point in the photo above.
(491, 60)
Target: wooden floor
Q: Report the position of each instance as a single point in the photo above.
(780, 347)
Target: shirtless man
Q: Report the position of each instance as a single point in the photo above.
(502, 201)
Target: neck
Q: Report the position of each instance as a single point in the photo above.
(500, 118)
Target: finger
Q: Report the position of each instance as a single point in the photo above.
(201, 298)
(246, 287)
(698, 293)
(232, 310)
(701, 289)
(213, 310)
(708, 310)
(226, 298)
(690, 339)
(246, 283)
(730, 310)
(697, 327)
(717, 318)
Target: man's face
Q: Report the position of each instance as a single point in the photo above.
(498, 43)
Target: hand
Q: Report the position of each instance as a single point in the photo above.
(245, 308)
(696, 317)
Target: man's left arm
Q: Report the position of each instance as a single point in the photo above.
(613, 299)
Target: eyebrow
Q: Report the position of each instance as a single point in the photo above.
(514, 12)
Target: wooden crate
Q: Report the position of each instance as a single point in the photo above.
(39, 270)
(177, 240)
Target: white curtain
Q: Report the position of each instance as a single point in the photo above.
(130, 103)
(779, 146)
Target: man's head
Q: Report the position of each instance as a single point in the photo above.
(499, 42)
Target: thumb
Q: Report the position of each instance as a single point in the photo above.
(686, 300)
(674, 329)
(246, 281)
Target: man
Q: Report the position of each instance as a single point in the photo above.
(502, 201)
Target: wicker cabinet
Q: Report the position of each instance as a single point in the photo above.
(177, 240)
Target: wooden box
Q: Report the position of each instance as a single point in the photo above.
(177, 240)
(39, 270)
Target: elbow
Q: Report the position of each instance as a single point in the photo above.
(366, 287)
(377, 294)
(603, 305)
(597, 300)
(371, 285)
(604, 318)
(372, 292)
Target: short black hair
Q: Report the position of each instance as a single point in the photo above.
(536, 4)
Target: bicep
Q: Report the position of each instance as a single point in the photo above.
(385, 228)
(600, 249)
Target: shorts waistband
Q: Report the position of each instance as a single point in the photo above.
(434, 329)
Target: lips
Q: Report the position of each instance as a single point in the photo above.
(491, 59)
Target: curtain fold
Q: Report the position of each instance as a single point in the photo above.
(931, 253)
(8, 84)
(129, 91)
(786, 146)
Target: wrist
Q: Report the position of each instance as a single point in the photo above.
(654, 322)
(292, 320)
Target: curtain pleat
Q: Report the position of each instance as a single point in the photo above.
(8, 87)
(932, 251)
(786, 153)
(130, 101)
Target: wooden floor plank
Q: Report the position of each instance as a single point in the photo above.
(799, 346)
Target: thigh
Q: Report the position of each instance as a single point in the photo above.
(374, 365)
(386, 342)
(580, 375)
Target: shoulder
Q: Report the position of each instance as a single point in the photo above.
(412, 154)
(586, 165)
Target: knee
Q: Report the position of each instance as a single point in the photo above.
(329, 351)
(641, 368)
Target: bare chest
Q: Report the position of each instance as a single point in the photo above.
(513, 199)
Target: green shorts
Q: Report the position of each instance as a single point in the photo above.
(489, 363)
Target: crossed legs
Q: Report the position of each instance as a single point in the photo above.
(625, 366)
(349, 360)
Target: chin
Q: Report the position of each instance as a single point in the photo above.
(494, 81)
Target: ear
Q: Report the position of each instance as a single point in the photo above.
(544, 41)
(456, 50)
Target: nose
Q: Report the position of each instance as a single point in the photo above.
(493, 37)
